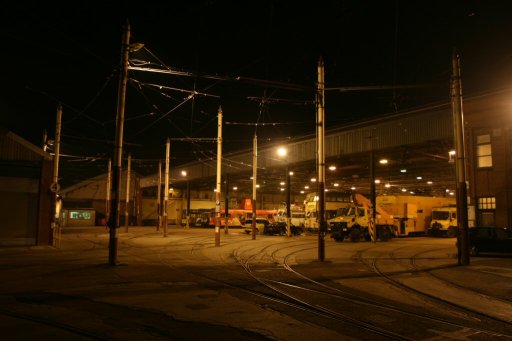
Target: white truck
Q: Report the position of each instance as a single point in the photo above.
(297, 215)
(444, 222)
(355, 222)
(334, 200)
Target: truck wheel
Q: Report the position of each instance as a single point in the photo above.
(355, 235)
(384, 235)
(339, 238)
(451, 232)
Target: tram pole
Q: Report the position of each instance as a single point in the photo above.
(320, 102)
(127, 202)
(217, 190)
(166, 185)
(118, 149)
(460, 165)
(254, 175)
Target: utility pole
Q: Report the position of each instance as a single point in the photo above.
(137, 202)
(166, 186)
(118, 149)
(288, 199)
(109, 185)
(217, 191)
(254, 175)
(126, 207)
(55, 187)
(159, 197)
(373, 198)
(320, 102)
(226, 206)
(187, 225)
(460, 165)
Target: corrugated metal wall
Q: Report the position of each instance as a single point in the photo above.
(410, 128)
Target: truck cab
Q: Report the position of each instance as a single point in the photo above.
(353, 222)
(444, 222)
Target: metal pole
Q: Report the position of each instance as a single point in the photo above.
(109, 186)
(159, 197)
(126, 207)
(373, 198)
(137, 202)
(188, 205)
(288, 209)
(55, 183)
(217, 190)
(166, 186)
(321, 160)
(254, 175)
(226, 207)
(118, 150)
(460, 166)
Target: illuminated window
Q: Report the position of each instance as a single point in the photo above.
(486, 211)
(487, 203)
(483, 151)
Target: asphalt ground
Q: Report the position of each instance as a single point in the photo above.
(72, 293)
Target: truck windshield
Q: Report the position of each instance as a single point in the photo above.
(330, 214)
(440, 215)
(342, 212)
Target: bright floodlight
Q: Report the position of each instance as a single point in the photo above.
(281, 151)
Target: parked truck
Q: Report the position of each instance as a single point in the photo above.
(444, 222)
(396, 216)
(334, 200)
(297, 215)
(355, 222)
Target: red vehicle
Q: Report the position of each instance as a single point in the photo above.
(237, 217)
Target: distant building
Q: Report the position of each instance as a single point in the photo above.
(488, 147)
(85, 203)
(25, 198)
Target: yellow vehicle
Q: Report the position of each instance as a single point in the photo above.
(334, 200)
(444, 222)
(396, 216)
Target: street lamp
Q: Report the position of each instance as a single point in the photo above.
(282, 152)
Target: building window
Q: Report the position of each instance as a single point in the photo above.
(486, 211)
(487, 203)
(484, 151)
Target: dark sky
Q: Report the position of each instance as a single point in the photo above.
(69, 52)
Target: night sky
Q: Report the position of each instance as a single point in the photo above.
(70, 52)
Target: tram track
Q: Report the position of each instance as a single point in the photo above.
(345, 296)
(496, 327)
(269, 276)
